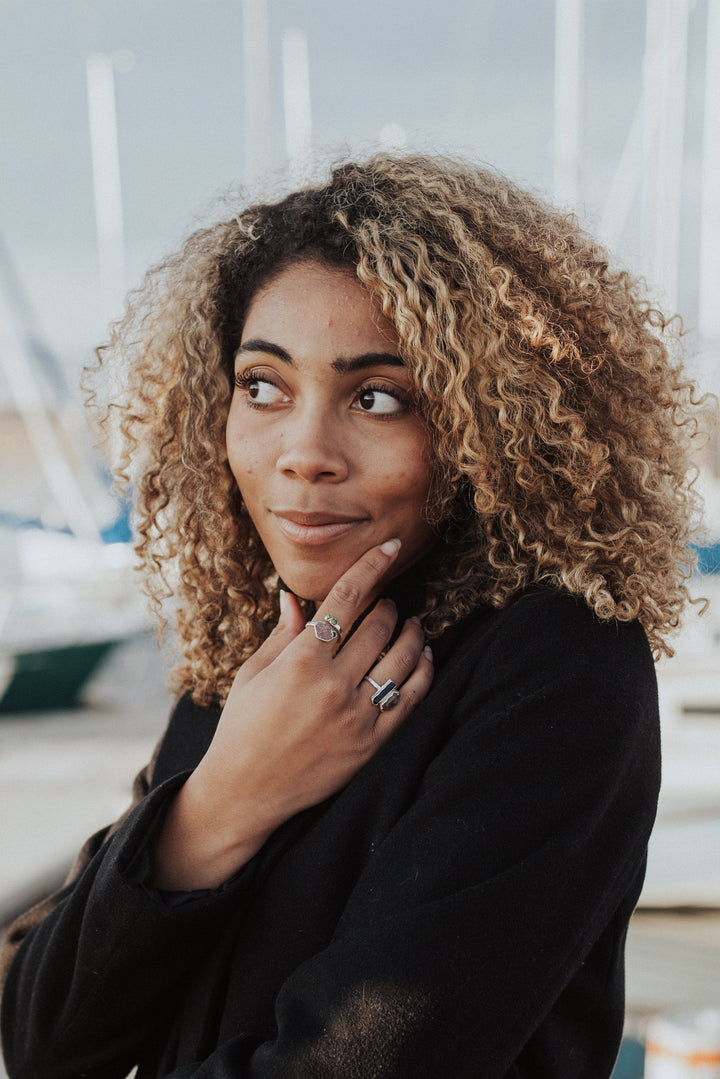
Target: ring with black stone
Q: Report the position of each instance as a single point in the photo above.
(386, 695)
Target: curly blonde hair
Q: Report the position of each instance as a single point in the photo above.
(561, 423)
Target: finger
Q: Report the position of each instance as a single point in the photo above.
(357, 587)
(397, 663)
(412, 692)
(290, 625)
(367, 642)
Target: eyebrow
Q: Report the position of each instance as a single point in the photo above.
(343, 365)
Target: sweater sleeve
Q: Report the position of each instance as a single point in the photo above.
(523, 849)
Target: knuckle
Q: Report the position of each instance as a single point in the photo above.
(411, 699)
(379, 630)
(375, 739)
(405, 659)
(275, 638)
(355, 720)
(374, 562)
(333, 698)
(346, 592)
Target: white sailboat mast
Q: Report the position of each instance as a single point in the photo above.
(664, 81)
(709, 314)
(106, 180)
(297, 107)
(569, 100)
(256, 62)
(37, 420)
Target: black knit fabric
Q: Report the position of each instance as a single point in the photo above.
(458, 910)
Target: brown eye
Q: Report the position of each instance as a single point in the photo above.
(379, 402)
(261, 391)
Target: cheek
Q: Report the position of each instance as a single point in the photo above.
(403, 467)
(406, 490)
(416, 474)
(244, 454)
(247, 476)
(413, 484)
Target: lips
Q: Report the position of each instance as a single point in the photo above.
(314, 529)
(319, 518)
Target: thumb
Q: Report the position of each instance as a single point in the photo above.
(291, 618)
(290, 624)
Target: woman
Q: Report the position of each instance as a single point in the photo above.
(411, 405)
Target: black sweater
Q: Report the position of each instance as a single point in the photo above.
(458, 910)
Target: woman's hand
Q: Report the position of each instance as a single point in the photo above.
(298, 724)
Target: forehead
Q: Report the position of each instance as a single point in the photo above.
(310, 297)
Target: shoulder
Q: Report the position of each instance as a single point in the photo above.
(549, 698)
(546, 668)
(550, 632)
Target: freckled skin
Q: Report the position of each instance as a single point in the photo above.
(309, 439)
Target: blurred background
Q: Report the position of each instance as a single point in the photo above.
(121, 124)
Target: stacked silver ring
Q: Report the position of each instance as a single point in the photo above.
(386, 695)
(326, 630)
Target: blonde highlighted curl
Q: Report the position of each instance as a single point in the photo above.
(561, 424)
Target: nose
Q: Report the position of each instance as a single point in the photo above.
(312, 448)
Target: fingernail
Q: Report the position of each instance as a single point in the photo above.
(414, 619)
(391, 546)
(283, 602)
(427, 652)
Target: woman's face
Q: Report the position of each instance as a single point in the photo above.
(327, 451)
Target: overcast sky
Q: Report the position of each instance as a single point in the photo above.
(468, 76)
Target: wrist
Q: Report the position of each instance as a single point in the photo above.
(203, 841)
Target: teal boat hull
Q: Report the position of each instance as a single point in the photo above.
(51, 679)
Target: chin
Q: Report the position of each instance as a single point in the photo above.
(314, 586)
(312, 583)
(311, 577)
(313, 590)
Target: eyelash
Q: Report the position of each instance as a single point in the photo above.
(399, 396)
(242, 382)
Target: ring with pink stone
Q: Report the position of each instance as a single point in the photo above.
(326, 630)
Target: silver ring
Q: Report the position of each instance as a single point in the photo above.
(326, 630)
(386, 695)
